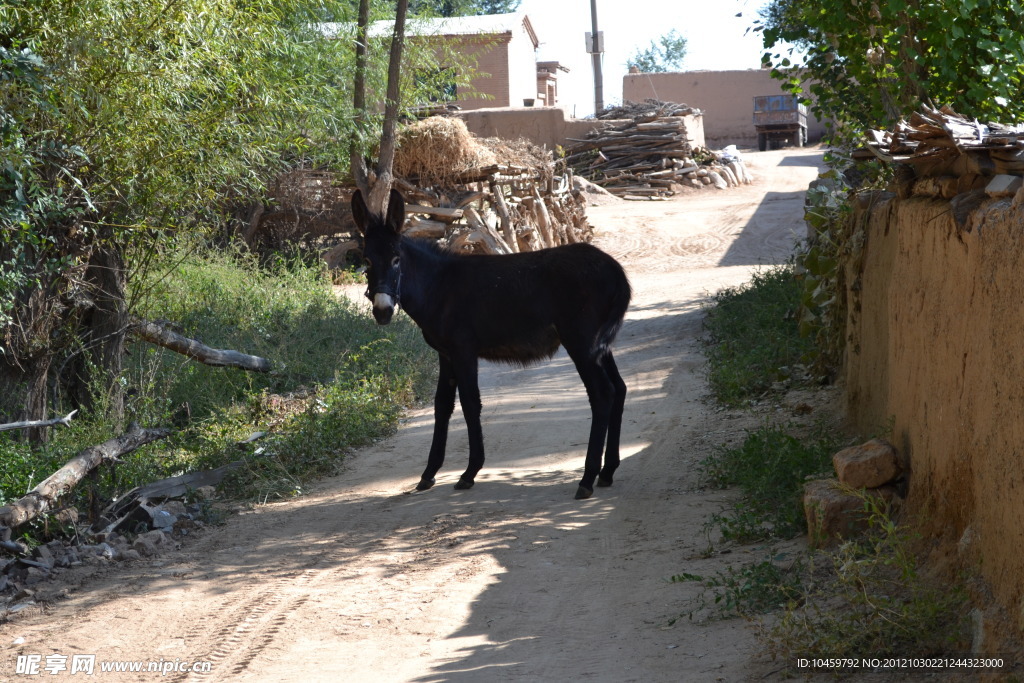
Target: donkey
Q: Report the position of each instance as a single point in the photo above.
(516, 309)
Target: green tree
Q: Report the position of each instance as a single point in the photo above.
(871, 62)
(123, 124)
(461, 8)
(664, 54)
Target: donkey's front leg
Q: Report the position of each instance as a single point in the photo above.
(469, 397)
(444, 405)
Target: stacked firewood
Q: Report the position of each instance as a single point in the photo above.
(498, 209)
(649, 155)
(485, 195)
(942, 154)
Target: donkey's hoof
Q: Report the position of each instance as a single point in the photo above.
(604, 481)
(463, 484)
(424, 484)
(583, 493)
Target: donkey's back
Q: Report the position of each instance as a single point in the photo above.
(521, 307)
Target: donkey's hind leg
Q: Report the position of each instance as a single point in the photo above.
(444, 406)
(611, 453)
(602, 394)
(469, 397)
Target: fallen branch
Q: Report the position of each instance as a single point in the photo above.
(161, 336)
(66, 421)
(42, 497)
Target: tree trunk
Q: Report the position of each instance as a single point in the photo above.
(356, 159)
(23, 384)
(377, 202)
(102, 334)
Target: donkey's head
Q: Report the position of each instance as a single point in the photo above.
(382, 251)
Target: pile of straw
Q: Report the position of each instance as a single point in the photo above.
(437, 150)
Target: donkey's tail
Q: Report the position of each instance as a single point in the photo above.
(618, 303)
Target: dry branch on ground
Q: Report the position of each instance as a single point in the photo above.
(42, 497)
(161, 336)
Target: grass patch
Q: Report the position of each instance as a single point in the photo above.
(769, 468)
(754, 337)
(341, 382)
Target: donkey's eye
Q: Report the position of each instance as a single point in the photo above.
(394, 261)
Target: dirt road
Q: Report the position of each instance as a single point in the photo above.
(511, 580)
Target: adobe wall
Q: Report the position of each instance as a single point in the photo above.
(547, 126)
(935, 349)
(491, 81)
(725, 97)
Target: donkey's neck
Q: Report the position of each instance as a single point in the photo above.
(422, 262)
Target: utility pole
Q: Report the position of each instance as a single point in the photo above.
(595, 47)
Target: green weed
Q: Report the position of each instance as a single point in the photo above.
(754, 337)
(339, 382)
(870, 596)
(769, 468)
(751, 590)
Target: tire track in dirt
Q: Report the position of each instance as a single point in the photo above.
(249, 627)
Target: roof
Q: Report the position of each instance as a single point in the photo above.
(486, 24)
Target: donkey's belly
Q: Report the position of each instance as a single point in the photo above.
(522, 348)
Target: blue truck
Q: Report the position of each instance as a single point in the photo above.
(779, 120)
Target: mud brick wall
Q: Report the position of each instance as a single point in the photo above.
(935, 356)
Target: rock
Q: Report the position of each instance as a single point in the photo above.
(43, 555)
(740, 170)
(184, 526)
(1003, 185)
(834, 512)
(729, 177)
(131, 555)
(159, 518)
(1018, 199)
(107, 551)
(210, 492)
(155, 537)
(718, 180)
(869, 465)
(581, 184)
(174, 507)
(35, 575)
(145, 547)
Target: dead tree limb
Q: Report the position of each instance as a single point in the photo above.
(161, 336)
(66, 421)
(42, 497)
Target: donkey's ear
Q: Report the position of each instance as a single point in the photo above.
(359, 212)
(396, 211)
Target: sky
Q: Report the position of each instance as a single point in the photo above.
(716, 39)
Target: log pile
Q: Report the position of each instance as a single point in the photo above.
(485, 196)
(304, 205)
(939, 153)
(650, 154)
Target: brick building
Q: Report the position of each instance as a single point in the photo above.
(503, 47)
